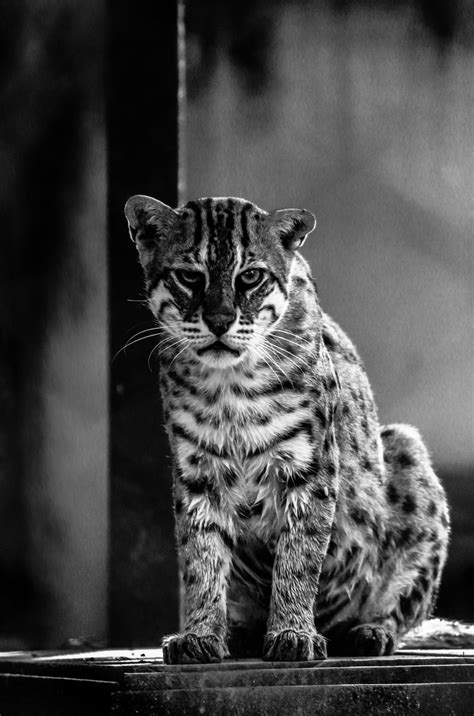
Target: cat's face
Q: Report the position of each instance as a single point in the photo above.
(216, 272)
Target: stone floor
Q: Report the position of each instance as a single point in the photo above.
(137, 682)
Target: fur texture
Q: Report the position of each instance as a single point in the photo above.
(300, 522)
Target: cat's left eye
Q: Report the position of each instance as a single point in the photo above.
(189, 278)
(251, 277)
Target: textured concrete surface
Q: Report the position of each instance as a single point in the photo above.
(125, 682)
(363, 700)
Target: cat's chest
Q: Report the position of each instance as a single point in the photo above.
(242, 444)
(240, 426)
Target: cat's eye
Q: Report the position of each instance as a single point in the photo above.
(189, 278)
(251, 277)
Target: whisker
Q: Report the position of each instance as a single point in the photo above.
(279, 367)
(288, 340)
(172, 341)
(290, 333)
(287, 356)
(137, 325)
(266, 358)
(294, 335)
(131, 342)
(169, 338)
(145, 330)
(159, 327)
(156, 348)
(181, 351)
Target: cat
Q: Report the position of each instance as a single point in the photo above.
(301, 523)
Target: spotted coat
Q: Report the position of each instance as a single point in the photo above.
(299, 521)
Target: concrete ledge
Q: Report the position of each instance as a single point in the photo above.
(354, 700)
(124, 682)
(301, 677)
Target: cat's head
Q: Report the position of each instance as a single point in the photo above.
(216, 271)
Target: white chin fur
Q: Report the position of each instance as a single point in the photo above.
(220, 360)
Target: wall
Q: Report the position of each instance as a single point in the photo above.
(364, 119)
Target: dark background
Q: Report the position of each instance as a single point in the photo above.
(359, 111)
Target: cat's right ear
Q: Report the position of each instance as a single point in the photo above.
(149, 219)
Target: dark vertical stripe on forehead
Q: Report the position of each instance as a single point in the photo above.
(244, 218)
(196, 209)
(220, 210)
(209, 219)
(230, 223)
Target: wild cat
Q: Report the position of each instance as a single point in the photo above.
(300, 522)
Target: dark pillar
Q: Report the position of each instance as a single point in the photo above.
(142, 158)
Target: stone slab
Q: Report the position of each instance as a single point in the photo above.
(451, 699)
(301, 677)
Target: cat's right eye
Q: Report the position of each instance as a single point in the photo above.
(189, 278)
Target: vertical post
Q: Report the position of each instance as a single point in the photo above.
(142, 125)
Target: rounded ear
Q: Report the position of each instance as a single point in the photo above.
(148, 218)
(291, 226)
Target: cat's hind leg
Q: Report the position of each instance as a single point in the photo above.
(376, 638)
(411, 553)
(416, 540)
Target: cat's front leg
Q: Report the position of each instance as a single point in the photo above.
(302, 545)
(205, 552)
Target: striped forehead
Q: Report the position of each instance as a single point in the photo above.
(220, 230)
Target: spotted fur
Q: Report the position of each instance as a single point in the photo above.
(299, 521)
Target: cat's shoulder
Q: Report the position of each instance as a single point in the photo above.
(340, 346)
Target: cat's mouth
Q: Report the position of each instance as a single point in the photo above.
(218, 347)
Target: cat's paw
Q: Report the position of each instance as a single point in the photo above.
(371, 640)
(190, 648)
(291, 645)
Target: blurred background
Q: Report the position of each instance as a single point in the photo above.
(361, 112)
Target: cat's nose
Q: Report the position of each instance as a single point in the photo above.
(219, 323)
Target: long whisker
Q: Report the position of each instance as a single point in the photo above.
(299, 343)
(181, 351)
(287, 356)
(160, 345)
(160, 327)
(288, 340)
(138, 325)
(171, 324)
(160, 348)
(266, 358)
(172, 341)
(150, 331)
(291, 333)
(156, 349)
(131, 342)
(137, 340)
(278, 366)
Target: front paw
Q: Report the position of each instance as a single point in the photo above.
(190, 648)
(291, 645)
(371, 640)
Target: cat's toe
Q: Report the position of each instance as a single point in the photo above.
(371, 640)
(190, 648)
(291, 645)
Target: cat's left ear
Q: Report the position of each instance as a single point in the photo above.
(291, 226)
(149, 219)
